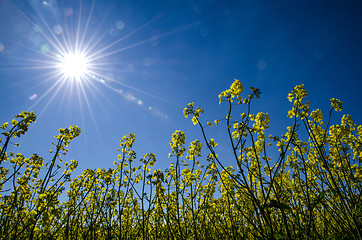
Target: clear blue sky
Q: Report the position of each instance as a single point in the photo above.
(151, 58)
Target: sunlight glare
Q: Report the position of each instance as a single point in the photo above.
(73, 65)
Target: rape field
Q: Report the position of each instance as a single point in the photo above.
(310, 190)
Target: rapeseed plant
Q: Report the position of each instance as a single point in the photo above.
(311, 189)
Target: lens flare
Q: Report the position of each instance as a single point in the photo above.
(76, 52)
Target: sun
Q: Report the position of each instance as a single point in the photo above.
(73, 65)
(82, 55)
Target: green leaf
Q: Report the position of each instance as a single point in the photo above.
(317, 200)
(279, 205)
(278, 236)
(331, 236)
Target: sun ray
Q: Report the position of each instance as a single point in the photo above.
(87, 23)
(44, 95)
(140, 42)
(52, 97)
(58, 45)
(124, 37)
(79, 53)
(92, 116)
(95, 34)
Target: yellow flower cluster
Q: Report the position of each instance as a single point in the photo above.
(299, 108)
(177, 144)
(336, 104)
(189, 110)
(233, 92)
(308, 186)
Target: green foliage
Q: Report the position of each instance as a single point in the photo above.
(311, 189)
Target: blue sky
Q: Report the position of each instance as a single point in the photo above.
(151, 58)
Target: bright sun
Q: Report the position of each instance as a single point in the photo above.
(73, 65)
